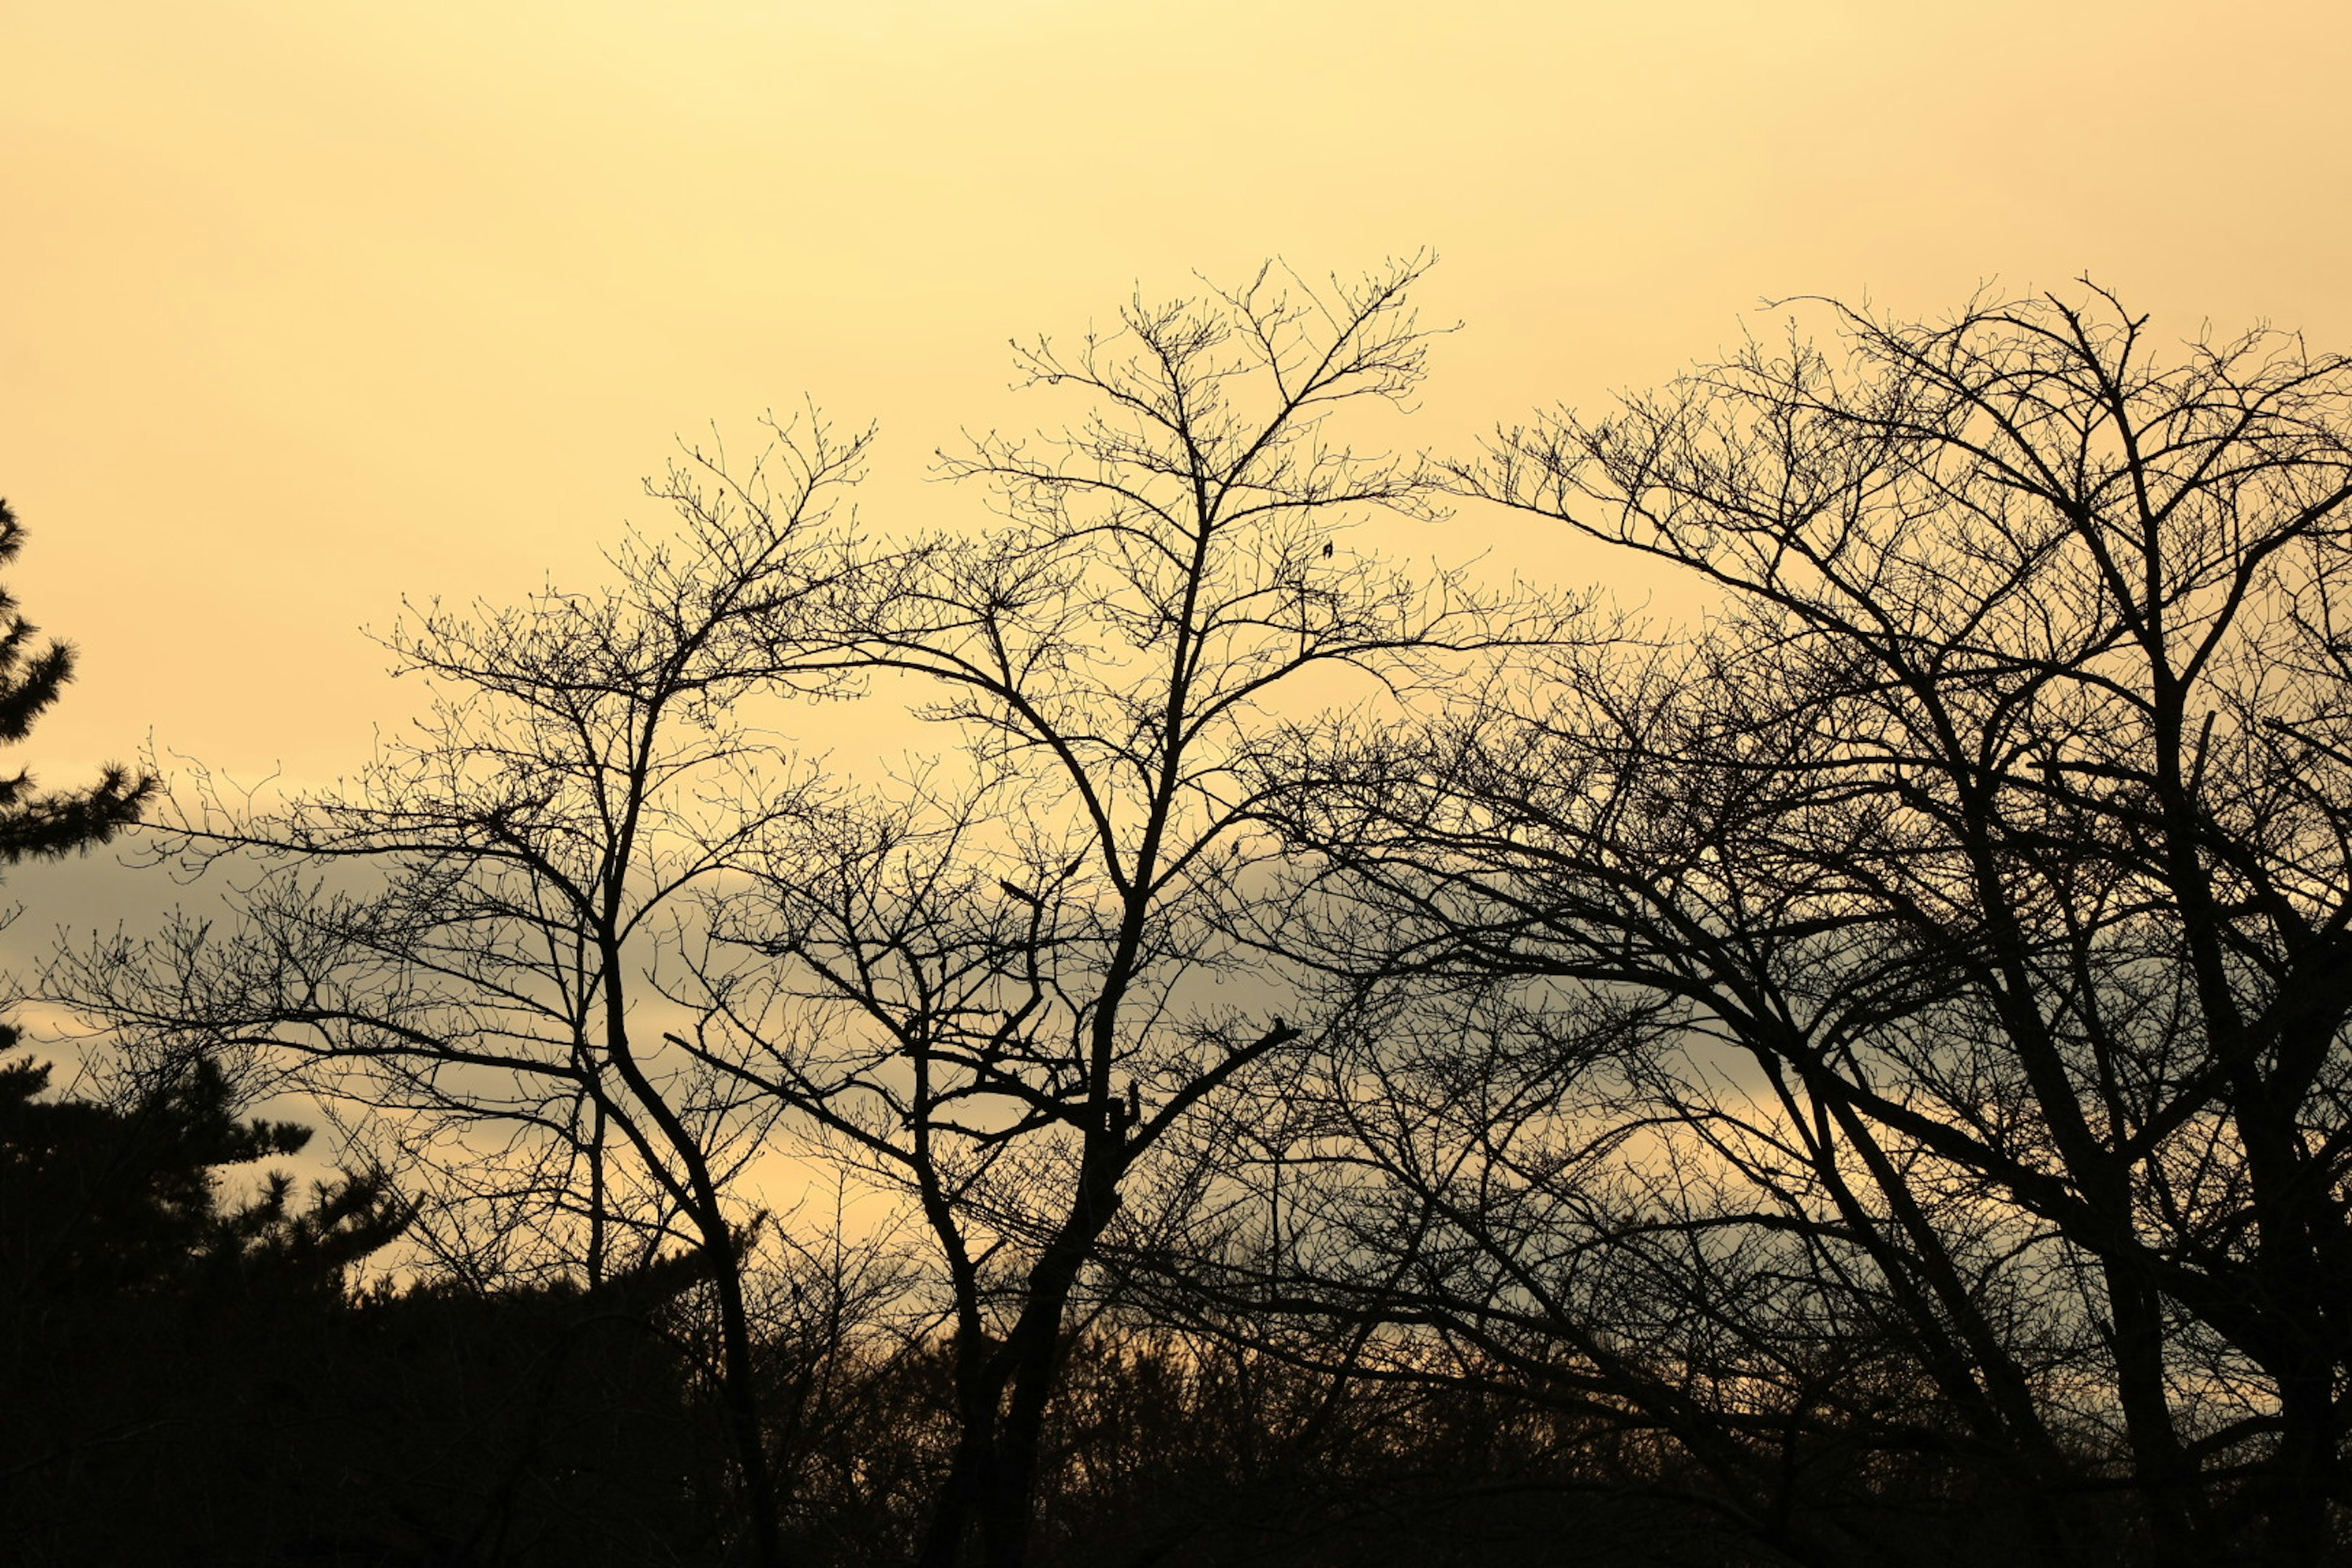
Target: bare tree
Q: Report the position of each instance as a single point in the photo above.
(464, 938)
(997, 987)
(1975, 890)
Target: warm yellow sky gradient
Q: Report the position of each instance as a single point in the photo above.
(305, 305)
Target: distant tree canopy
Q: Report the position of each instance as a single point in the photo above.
(1345, 1064)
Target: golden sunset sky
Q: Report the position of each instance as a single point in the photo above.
(306, 306)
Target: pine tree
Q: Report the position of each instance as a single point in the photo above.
(33, 822)
(112, 1200)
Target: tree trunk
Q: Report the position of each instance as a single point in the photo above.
(972, 1473)
(739, 1392)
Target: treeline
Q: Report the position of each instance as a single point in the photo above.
(193, 1381)
(1339, 1061)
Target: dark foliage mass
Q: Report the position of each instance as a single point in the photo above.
(194, 1381)
(1340, 1064)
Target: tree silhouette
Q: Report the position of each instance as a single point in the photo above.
(511, 876)
(993, 989)
(1909, 1013)
(1860, 1079)
(32, 821)
(134, 1296)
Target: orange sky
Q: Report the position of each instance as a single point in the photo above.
(305, 305)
